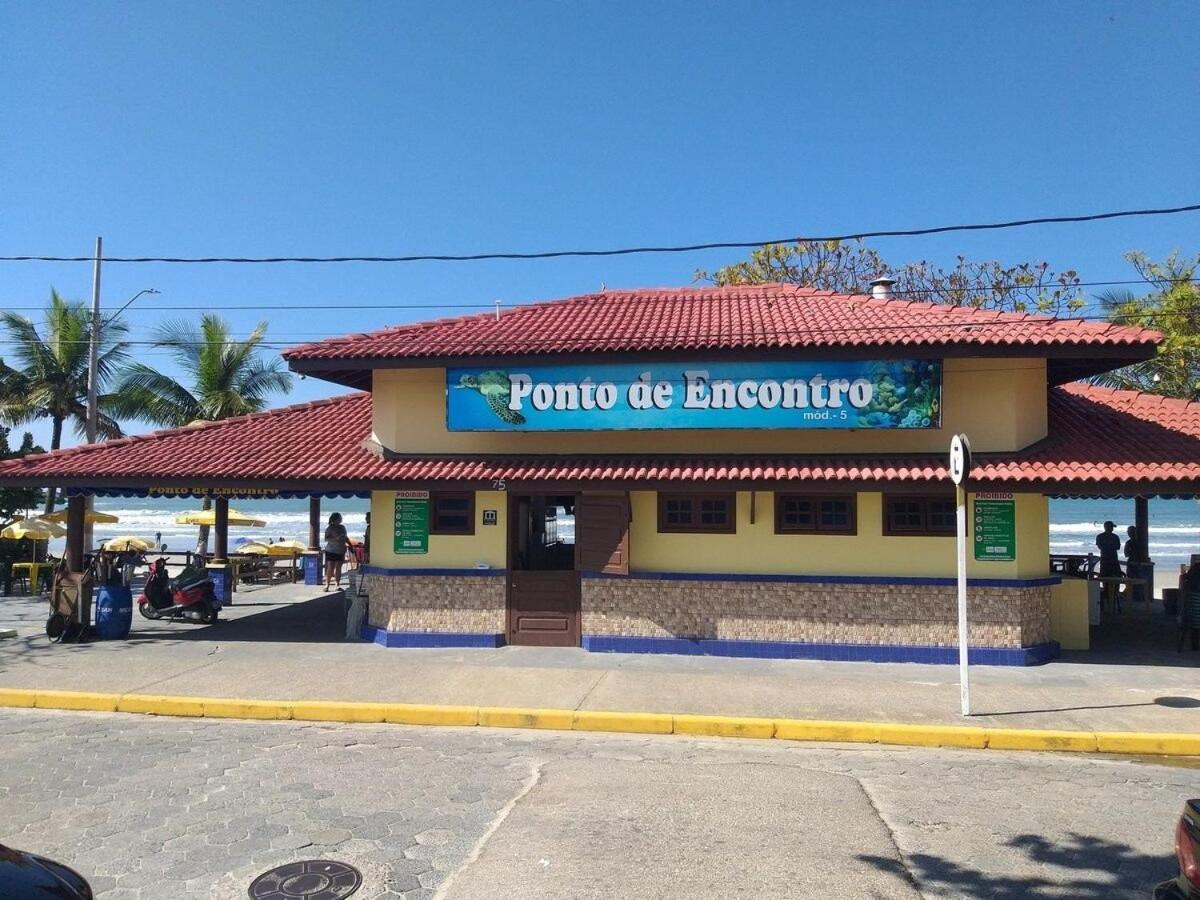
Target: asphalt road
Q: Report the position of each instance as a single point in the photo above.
(170, 808)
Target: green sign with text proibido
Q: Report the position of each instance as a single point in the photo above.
(995, 527)
(410, 527)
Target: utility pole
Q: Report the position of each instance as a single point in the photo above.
(94, 345)
(93, 378)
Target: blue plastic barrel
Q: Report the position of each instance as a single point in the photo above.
(114, 612)
(312, 567)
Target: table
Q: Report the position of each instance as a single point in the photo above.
(31, 571)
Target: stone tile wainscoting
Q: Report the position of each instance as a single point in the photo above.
(884, 619)
(437, 607)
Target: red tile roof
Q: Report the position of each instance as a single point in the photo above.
(768, 316)
(1099, 437)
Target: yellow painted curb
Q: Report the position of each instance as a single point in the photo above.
(421, 714)
(934, 736)
(338, 711)
(632, 723)
(1030, 739)
(20, 697)
(504, 717)
(158, 705)
(1148, 743)
(725, 726)
(246, 709)
(830, 732)
(84, 700)
(1127, 743)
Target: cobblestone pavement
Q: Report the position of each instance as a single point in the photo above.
(169, 808)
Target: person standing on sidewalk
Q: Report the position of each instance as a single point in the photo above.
(337, 543)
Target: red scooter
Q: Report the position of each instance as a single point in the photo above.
(188, 596)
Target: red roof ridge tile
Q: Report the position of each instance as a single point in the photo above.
(1086, 390)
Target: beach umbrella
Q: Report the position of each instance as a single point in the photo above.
(209, 517)
(254, 548)
(92, 516)
(291, 545)
(127, 542)
(34, 530)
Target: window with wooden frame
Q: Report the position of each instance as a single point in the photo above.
(919, 515)
(452, 513)
(703, 513)
(816, 514)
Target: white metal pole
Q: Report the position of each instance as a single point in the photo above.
(94, 345)
(964, 684)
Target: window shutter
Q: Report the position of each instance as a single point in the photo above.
(602, 534)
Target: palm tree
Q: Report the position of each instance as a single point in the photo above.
(1172, 308)
(50, 378)
(224, 377)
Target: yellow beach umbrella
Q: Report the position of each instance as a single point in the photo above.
(291, 546)
(209, 517)
(254, 548)
(92, 516)
(127, 542)
(35, 529)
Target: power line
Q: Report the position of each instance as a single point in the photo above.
(624, 251)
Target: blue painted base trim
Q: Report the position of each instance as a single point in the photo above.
(982, 656)
(430, 639)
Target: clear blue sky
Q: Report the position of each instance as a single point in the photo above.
(272, 128)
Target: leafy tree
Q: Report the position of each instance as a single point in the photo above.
(224, 377)
(50, 378)
(15, 501)
(850, 266)
(1173, 307)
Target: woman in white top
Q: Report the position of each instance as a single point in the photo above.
(337, 542)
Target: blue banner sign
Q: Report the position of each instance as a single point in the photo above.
(627, 396)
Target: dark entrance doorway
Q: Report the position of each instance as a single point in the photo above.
(543, 580)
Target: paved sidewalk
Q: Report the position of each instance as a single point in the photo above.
(287, 643)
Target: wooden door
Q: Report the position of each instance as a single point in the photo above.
(602, 533)
(543, 608)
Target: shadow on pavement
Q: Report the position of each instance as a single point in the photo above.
(1100, 870)
(320, 620)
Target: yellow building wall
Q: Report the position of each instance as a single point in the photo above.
(757, 549)
(999, 403)
(488, 545)
(1069, 614)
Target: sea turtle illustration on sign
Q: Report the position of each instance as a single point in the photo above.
(495, 388)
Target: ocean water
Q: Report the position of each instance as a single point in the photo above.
(1174, 528)
(1174, 524)
(286, 519)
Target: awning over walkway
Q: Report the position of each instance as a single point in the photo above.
(1102, 442)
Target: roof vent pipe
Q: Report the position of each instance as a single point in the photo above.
(881, 288)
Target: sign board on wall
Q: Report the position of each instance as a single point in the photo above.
(410, 527)
(995, 527)
(857, 394)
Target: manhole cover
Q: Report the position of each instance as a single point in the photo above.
(310, 879)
